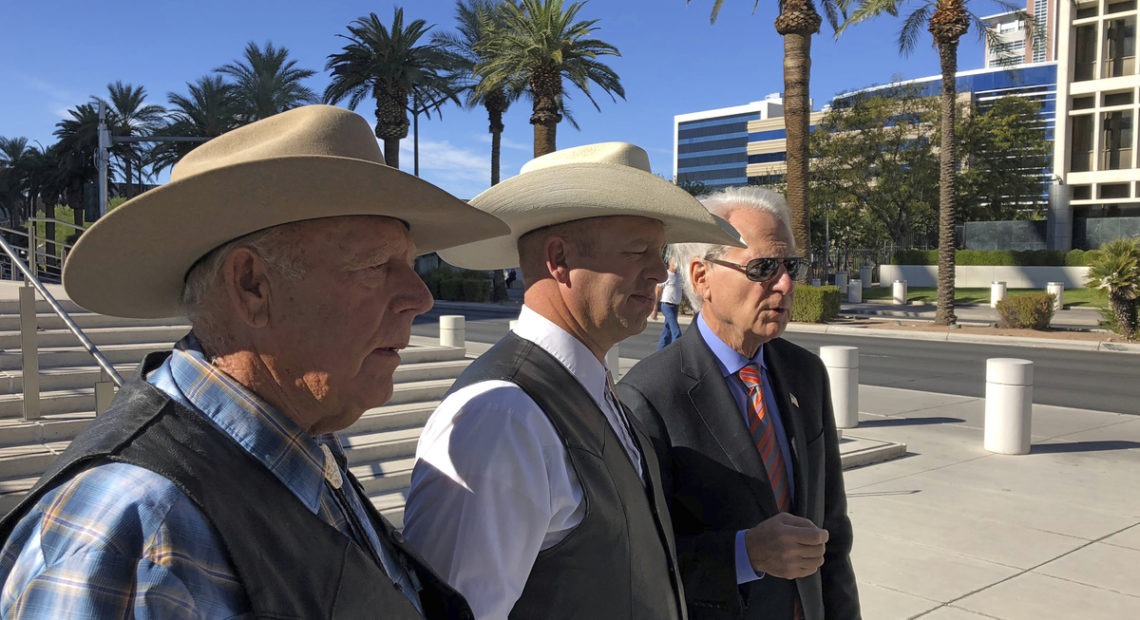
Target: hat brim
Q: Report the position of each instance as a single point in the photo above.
(133, 261)
(565, 193)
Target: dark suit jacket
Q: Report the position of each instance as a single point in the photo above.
(715, 480)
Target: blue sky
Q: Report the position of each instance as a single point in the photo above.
(58, 53)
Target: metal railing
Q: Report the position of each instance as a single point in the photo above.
(109, 377)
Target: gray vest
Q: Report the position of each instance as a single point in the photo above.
(620, 561)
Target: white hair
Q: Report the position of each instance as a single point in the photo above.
(721, 203)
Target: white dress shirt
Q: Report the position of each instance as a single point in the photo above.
(493, 485)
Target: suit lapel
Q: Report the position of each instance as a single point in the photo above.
(788, 403)
(714, 405)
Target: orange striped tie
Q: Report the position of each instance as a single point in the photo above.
(764, 437)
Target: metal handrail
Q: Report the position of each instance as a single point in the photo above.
(31, 278)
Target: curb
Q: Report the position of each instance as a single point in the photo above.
(949, 336)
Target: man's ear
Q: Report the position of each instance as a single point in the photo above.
(554, 250)
(245, 279)
(699, 275)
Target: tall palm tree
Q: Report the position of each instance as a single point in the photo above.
(390, 66)
(537, 47)
(947, 21)
(478, 21)
(208, 110)
(75, 151)
(267, 82)
(130, 115)
(13, 180)
(796, 23)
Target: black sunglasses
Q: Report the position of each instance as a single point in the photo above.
(765, 269)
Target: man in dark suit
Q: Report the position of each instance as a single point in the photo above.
(742, 424)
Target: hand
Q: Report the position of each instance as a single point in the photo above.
(786, 546)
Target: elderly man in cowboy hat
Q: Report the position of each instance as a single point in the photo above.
(213, 486)
(533, 493)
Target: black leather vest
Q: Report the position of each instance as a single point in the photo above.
(619, 562)
(291, 563)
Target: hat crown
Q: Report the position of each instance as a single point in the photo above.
(605, 153)
(309, 131)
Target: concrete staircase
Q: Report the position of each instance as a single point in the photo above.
(380, 446)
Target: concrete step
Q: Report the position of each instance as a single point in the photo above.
(11, 303)
(61, 357)
(384, 476)
(391, 505)
(85, 320)
(392, 417)
(365, 448)
(51, 403)
(50, 428)
(13, 489)
(66, 378)
(156, 335)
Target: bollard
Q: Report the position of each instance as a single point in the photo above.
(855, 292)
(1009, 404)
(997, 293)
(815, 281)
(452, 331)
(843, 369)
(613, 362)
(841, 281)
(1057, 289)
(865, 275)
(898, 293)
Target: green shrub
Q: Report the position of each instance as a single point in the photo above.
(815, 304)
(476, 289)
(915, 257)
(1033, 311)
(1076, 258)
(451, 290)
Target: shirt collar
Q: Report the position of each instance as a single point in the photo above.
(284, 448)
(567, 349)
(730, 360)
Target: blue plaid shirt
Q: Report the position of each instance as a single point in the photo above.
(119, 541)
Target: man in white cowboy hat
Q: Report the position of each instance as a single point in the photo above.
(214, 486)
(533, 493)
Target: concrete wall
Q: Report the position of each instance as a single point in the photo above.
(982, 277)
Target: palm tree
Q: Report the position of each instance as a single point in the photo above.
(390, 66)
(797, 22)
(13, 180)
(131, 116)
(207, 111)
(266, 82)
(478, 21)
(947, 21)
(75, 153)
(1115, 268)
(537, 46)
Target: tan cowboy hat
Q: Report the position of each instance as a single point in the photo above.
(310, 162)
(595, 180)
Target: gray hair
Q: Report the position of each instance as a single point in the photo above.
(721, 203)
(274, 245)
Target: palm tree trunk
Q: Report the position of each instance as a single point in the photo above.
(947, 178)
(545, 138)
(392, 152)
(495, 116)
(797, 118)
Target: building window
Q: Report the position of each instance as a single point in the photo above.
(1082, 192)
(1119, 47)
(1120, 7)
(1083, 103)
(1081, 143)
(1113, 190)
(1116, 140)
(1084, 52)
(1120, 98)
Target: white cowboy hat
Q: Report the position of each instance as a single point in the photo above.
(595, 180)
(310, 162)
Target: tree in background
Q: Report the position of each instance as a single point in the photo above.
(128, 115)
(267, 82)
(875, 174)
(539, 45)
(208, 110)
(947, 21)
(478, 21)
(796, 23)
(78, 140)
(391, 67)
(1115, 269)
(1004, 154)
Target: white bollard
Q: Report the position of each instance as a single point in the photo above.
(1009, 405)
(452, 331)
(997, 293)
(855, 292)
(613, 361)
(843, 369)
(898, 293)
(841, 281)
(1057, 289)
(865, 275)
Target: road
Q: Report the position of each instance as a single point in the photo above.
(1101, 381)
